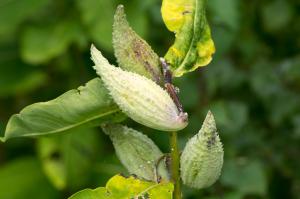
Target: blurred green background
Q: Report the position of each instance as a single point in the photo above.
(252, 86)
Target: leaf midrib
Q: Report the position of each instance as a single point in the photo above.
(193, 37)
(3, 139)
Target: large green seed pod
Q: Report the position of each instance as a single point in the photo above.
(132, 52)
(137, 152)
(202, 158)
(139, 97)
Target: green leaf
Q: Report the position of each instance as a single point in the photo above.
(97, 16)
(23, 178)
(247, 177)
(276, 15)
(132, 52)
(25, 80)
(39, 44)
(89, 104)
(119, 187)
(137, 152)
(60, 153)
(225, 12)
(193, 46)
(13, 12)
(232, 116)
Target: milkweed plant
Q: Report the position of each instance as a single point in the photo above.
(140, 88)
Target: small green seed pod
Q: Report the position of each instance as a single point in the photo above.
(202, 158)
(137, 152)
(139, 97)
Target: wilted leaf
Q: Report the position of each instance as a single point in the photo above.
(89, 104)
(137, 152)
(59, 155)
(119, 187)
(132, 52)
(193, 45)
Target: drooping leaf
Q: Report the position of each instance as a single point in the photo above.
(193, 46)
(132, 52)
(39, 44)
(23, 178)
(137, 152)
(89, 104)
(119, 187)
(12, 13)
(59, 155)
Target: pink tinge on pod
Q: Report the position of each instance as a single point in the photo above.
(139, 97)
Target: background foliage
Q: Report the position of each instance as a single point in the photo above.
(252, 86)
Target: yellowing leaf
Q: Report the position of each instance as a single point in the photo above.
(119, 187)
(193, 46)
(172, 13)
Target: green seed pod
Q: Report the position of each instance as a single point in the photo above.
(202, 158)
(139, 97)
(132, 52)
(137, 152)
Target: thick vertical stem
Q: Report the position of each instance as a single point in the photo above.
(175, 165)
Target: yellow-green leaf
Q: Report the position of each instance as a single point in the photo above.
(119, 187)
(193, 46)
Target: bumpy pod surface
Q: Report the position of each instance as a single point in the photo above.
(136, 151)
(139, 97)
(202, 158)
(132, 52)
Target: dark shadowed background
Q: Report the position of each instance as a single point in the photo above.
(252, 87)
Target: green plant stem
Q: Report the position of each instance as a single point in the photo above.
(175, 165)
